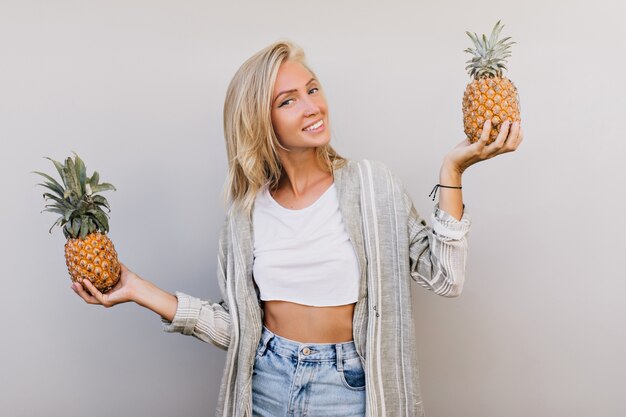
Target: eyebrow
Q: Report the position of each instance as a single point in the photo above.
(291, 91)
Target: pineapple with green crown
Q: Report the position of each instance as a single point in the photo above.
(89, 253)
(490, 95)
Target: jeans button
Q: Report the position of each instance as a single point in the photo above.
(306, 351)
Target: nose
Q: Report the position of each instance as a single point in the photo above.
(310, 107)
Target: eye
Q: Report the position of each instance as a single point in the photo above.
(314, 89)
(286, 102)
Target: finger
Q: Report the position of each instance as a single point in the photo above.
(93, 290)
(520, 139)
(484, 135)
(88, 298)
(513, 142)
(513, 136)
(494, 148)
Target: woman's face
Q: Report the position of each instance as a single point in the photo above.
(299, 109)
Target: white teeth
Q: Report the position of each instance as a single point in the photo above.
(315, 126)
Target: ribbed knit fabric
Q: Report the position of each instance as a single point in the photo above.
(393, 243)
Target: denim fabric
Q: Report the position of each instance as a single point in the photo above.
(293, 379)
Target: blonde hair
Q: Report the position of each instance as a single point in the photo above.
(250, 138)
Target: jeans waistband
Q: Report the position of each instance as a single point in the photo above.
(306, 352)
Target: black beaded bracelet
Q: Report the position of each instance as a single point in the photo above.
(437, 187)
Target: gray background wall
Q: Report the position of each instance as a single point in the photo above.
(137, 87)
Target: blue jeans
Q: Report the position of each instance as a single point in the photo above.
(293, 379)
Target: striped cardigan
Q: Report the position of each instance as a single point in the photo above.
(392, 243)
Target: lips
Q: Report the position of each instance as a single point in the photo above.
(315, 125)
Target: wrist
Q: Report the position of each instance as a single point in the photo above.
(139, 290)
(450, 175)
(149, 296)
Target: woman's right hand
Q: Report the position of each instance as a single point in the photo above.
(122, 292)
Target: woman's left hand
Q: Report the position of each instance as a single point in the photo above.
(466, 153)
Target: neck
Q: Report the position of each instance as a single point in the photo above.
(301, 171)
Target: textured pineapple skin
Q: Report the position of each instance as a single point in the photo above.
(94, 258)
(489, 98)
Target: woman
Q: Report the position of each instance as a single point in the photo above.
(315, 257)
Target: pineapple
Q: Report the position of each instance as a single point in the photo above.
(89, 253)
(490, 95)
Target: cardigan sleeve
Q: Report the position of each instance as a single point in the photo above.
(438, 254)
(206, 320)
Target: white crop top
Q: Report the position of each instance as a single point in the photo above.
(304, 256)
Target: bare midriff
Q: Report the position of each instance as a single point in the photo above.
(309, 324)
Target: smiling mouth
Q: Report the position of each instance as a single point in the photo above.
(314, 126)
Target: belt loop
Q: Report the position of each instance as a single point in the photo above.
(267, 335)
(339, 358)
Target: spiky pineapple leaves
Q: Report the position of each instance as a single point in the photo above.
(490, 55)
(76, 200)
